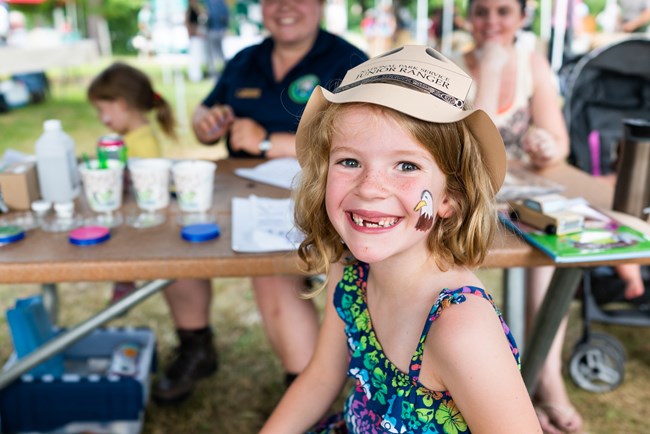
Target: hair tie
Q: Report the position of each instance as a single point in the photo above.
(156, 96)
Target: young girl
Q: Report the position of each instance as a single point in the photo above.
(398, 175)
(123, 97)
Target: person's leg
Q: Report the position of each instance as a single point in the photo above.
(189, 303)
(220, 55)
(290, 322)
(196, 356)
(214, 47)
(551, 395)
(195, 59)
(121, 290)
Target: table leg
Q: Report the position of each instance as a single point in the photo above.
(554, 307)
(51, 301)
(514, 303)
(70, 336)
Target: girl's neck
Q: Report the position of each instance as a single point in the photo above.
(136, 120)
(403, 275)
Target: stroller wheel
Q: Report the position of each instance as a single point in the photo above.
(596, 367)
(611, 341)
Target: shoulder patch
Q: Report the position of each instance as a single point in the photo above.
(300, 89)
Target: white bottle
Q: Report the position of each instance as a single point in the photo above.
(56, 164)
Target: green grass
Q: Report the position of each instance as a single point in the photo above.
(249, 381)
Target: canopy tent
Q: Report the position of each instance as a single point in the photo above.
(24, 2)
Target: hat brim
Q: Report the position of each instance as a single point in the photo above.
(416, 104)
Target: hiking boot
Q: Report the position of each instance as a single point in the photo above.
(195, 358)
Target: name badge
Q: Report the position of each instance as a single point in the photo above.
(248, 93)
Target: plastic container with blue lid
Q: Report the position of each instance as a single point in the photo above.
(10, 234)
(89, 235)
(200, 232)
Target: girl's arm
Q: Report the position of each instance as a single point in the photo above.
(478, 369)
(311, 395)
(548, 141)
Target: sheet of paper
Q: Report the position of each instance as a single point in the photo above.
(279, 172)
(521, 183)
(263, 225)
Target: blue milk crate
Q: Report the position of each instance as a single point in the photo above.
(87, 397)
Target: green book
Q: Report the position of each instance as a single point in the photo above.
(604, 237)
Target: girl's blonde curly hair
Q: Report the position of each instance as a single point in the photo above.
(461, 239)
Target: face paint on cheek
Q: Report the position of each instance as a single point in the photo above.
(425, 206)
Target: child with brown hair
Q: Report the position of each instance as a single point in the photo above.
(124, 97)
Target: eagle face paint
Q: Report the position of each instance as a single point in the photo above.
(425, 206)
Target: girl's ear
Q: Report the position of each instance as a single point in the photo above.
(446, 207)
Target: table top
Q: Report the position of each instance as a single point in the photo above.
(159, 252)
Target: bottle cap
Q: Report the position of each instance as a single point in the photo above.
(64, 209)
(41, 206)
(89, 235)
(200, 232)
(52, 125)
(11, 234)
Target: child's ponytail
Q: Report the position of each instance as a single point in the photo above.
(164, 115)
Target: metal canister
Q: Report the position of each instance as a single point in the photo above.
(111, 147)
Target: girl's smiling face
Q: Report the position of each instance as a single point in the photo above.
(377, 175)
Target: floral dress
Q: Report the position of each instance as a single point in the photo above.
(385, 399)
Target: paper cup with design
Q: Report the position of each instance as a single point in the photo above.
(103, 189)
(194, 184)
(150, 179)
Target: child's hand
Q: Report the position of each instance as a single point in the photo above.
(246, 135)
(211, 124)
(540, 146)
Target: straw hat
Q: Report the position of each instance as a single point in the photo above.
(420, 82)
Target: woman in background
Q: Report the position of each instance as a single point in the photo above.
(517, 89)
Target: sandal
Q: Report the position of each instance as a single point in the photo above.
(565, 418)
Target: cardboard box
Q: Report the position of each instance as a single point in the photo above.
(19, 185)
(87, 397)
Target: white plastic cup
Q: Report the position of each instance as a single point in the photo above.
(194, 184)
(103, 187)
(150, 178)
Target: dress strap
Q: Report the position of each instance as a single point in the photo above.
(445, 299)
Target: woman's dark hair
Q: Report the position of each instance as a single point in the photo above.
(522, 5)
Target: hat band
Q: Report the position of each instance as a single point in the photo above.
(383, 78)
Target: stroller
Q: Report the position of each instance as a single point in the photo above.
(601, 89)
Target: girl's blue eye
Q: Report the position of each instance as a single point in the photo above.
(405, 166)
(349, 162)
